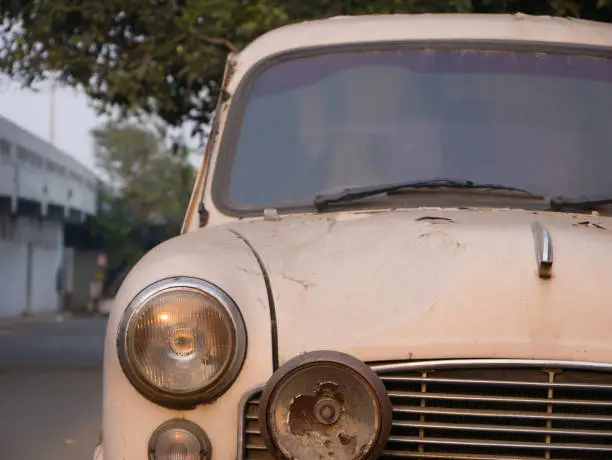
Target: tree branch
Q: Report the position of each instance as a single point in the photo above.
(220, 41)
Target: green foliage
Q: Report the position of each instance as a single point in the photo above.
(166, 57)
(149, 190)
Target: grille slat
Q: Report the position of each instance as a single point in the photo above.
(496, 383)
(501, 429)
(486, 410)
(506, 444)
(261, 447)
(464, 397)
(499, 413)
(443, 456)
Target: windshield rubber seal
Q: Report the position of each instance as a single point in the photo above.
(227, 138)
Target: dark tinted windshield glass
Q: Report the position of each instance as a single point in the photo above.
(536, 121)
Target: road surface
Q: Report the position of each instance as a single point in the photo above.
(50, 388)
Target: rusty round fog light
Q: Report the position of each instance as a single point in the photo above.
(325, 404)
(179, 440)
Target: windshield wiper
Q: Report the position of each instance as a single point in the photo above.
(582, 203)
(323, 200)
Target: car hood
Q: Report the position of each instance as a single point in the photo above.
(422, 284)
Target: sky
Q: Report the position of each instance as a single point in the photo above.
(74, 119)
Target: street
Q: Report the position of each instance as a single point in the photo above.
(50, 387)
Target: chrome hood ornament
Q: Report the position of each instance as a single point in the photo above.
(544, 250)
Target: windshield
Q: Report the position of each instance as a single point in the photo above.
(538, 121)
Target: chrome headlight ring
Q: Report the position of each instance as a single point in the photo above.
(181, 342)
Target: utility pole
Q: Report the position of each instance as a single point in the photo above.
(52, 110)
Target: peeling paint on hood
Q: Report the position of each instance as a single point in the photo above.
(406, 284)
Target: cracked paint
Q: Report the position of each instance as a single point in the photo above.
(249, 272)
(302, 283)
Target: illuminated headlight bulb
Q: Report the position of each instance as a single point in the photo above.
(182, 342)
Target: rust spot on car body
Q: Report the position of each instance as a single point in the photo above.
(435, 220)
(302, 419)
(589, 224)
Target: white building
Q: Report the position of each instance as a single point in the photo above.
(41, 189)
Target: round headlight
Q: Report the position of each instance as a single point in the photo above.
(325, 405)
(179, 440)
(182, 342)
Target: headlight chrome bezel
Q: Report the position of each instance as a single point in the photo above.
(207, 394)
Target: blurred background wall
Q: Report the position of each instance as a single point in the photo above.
(42, 192)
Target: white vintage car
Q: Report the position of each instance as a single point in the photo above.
(366, 268)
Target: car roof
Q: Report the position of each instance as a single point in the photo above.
(341, 30)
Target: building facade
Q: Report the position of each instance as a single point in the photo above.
(42, 189)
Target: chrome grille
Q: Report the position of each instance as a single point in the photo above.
(487, 409)
(252, 446)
